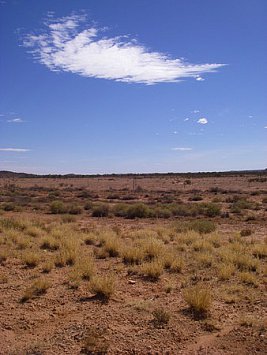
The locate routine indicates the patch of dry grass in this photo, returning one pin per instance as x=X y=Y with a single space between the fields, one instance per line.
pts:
x=102 y=286
x=199 y=299
x=152 y=270
x=225 y=271
x=31 y=258
x=38 y=288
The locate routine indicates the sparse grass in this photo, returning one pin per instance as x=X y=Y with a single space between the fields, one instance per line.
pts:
x=112 y=245
x=94 y=342
x=84 y=268
x=48 y=266
x=152 y=270
x=161 y=317
x=177 y=265
x=38 y=288
x=50 y=243
x=205 y=260
x=102 y=286
x=89 y=238
x=245 y=262
x=225 y=271
x=68 y=252
x=218 y=265
x=133 y=255
x=260 y=251
x=248 y=279
x=31 y=259
x=153 y=248
x=199 y=299
x=3 y=256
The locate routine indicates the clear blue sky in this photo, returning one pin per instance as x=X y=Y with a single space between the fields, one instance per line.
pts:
x=116 y=86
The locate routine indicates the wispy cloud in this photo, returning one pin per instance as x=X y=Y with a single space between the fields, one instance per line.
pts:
x=199 y=78
x=67 y=44
x=195 y=111
x=15 y=120
x=17 y=150
x=182 y=149
x=202 y=120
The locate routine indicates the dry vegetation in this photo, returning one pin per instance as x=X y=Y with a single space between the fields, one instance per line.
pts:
x=118 y=271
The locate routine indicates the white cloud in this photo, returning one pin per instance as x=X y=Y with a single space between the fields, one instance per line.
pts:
x=199 y=78
x=202 y=120
x=18 y=150
x=181 y=149
x=66 y=46
x=186 y=119
x=175 y=132
x=15 y=120
x=195 y=111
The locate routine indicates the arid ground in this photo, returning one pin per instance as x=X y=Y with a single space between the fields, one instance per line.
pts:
x=164 y=264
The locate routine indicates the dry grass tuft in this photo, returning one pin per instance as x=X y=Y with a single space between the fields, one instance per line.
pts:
x=94 y=342
x=248 y=279
x=103 y=287
x=161 y=317
x=225 y=271
x=133 y=255
x=199 y=299
x=152 y=270
x=38 y=288
x=31 y=259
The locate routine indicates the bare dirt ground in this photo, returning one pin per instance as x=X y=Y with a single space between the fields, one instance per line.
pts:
x=146 y=311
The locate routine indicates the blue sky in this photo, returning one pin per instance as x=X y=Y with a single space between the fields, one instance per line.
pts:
x=117 y=86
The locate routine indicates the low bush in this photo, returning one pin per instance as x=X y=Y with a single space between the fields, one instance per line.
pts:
x=100 y=210
x=58 y=207
x=137 y=210
x=202 y=226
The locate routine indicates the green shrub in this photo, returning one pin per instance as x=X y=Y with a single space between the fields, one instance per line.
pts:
x=73 y=209
x=137 y=210
x=100 y=210
x=212 y=210
x=58 y=207
x=202 y=226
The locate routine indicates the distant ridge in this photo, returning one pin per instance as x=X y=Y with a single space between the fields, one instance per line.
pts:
x=4 y=174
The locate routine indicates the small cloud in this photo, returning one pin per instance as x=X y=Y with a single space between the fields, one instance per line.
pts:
x=195 y=111
x=15 y=120
x=202 y=120
x=17 y=150
x=181 y=149
x=250 y=116
x=186 y=119
x=199 y=78
x=175 y=132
